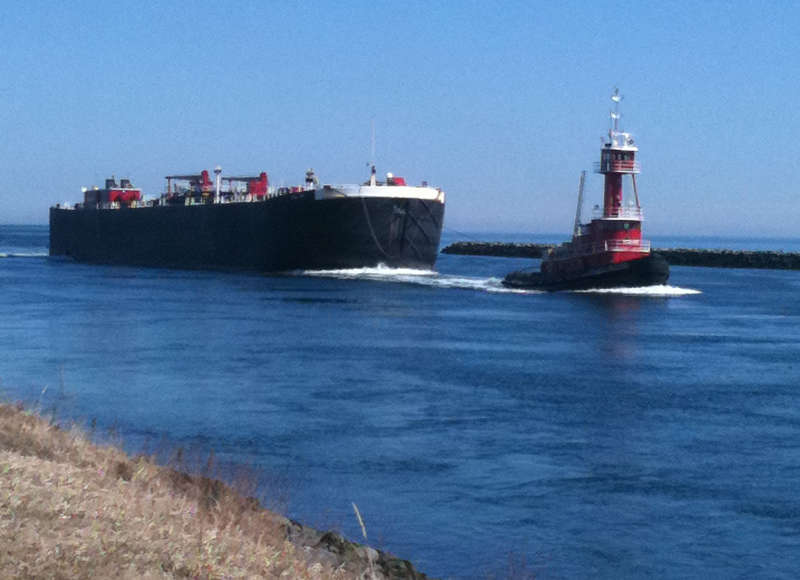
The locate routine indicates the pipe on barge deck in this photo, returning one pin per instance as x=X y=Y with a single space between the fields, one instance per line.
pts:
x=768 y=259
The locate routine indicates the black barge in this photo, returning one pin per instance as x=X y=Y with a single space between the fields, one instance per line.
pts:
x=240 y=223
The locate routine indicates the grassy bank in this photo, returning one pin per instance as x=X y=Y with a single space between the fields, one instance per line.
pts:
x=71 y=508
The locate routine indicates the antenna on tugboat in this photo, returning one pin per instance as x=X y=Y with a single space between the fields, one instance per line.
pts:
x=616 y=97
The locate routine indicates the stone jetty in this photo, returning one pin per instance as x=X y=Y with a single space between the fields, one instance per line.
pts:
x=500 y=249
x=775 y=260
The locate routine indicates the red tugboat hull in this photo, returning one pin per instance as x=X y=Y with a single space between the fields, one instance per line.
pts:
x=648 y=271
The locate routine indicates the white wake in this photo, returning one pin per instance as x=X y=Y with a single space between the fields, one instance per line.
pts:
x=434 y=279
x=24 y=254
x=379 y=271
x=660 y=290
x=412 y=276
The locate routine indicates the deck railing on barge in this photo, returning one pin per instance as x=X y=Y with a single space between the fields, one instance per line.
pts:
x=163 y=201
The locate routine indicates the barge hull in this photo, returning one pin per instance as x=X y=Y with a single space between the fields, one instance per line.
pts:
x=296 y=232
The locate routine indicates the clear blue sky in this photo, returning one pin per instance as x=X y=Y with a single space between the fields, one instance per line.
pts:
x=501 y=104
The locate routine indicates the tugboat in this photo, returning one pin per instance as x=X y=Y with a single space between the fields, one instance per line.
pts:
x=609 y=251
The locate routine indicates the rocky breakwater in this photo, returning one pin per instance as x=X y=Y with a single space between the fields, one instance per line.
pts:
x=775 y=260
x=500 y=249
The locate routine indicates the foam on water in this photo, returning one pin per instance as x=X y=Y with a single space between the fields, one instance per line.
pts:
x=431 y=278
x=659 y=290
x=23 y=254
x=380 y=271
x=412 y=276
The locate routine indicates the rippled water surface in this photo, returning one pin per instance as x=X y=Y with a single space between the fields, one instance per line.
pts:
x=653 y=433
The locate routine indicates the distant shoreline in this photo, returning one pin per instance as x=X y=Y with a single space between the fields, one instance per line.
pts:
x=759 y=259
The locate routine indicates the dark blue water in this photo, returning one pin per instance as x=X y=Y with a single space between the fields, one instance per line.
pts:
x=609 y=435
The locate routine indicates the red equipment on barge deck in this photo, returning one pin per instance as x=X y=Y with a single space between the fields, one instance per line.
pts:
x=609 y=251
x=123 y=193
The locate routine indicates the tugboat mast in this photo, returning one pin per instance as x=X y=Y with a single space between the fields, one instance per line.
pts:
x=576 y=229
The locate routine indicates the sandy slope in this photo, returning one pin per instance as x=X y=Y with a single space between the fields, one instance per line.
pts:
x=73 y=509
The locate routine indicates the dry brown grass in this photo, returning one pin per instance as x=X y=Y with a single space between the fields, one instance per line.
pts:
x=70 y=508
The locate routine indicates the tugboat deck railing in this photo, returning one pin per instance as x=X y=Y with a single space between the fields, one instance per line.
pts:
x=628 y=213
x=572 y=250
x=617 y=166
x=627 y=246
